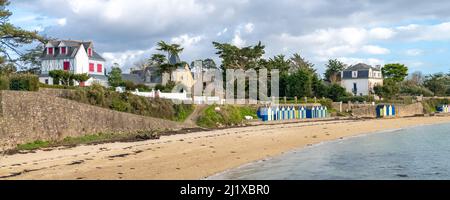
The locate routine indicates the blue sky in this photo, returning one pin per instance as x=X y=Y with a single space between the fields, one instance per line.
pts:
x=413 y=32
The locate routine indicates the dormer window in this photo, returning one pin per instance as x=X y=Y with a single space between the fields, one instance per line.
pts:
x=90 y=52
x=63 y=50
x=50 y=51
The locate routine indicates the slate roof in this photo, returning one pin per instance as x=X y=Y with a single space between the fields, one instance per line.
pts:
x=135 y=78
x=72 y=49
x=361 y=67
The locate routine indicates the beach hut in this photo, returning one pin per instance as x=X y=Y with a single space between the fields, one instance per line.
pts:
x=310 y=113
x=269 y=114
x=280 y=114
x=326 y=112
x=289 y=111
x=380 y=111
x=389 y=110
x=274 y=113
x=283 y=113
x=263 y=113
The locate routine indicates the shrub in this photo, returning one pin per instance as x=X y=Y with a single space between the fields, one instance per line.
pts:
x=97 y=95
x=24 y=82
x=4 y=83
x=355 y=99
x=228 y=116
x=327 y=103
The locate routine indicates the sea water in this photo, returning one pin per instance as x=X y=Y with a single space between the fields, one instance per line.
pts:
x=414 y=153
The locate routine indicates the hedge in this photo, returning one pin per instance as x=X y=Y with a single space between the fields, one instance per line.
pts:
x=24 y=82
x=4 y=83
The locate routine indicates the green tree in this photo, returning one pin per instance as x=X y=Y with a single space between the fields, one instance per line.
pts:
x=437 y=83
x=12 y=38
x=333 y=70
x=318 y=87
x=56 y=76
x=170 y=65
x=244 y=58
x=299 y=84
x=389 y=89
x=81 y=78
x=298 y=62
x=335 y=92
x=397 y=72
x=115 y=77
x=158 y=59
x=279 y=62
x=170 y=49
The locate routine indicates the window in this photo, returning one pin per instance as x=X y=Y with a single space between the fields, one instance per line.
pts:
x=99 y=68
x=91 y=67
x=66 y=66
x=354 y=74
x=50 y=51
x=63 y=50
x=46 y=81
x=89 y=52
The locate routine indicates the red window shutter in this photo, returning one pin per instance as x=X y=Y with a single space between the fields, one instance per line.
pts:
x=66 y=66
x=91 y=67
x=63 y=50
x=99 y=68
x=90 y=52
x=50 y=51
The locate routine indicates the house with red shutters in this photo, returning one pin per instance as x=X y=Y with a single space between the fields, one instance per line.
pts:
x=77 y=57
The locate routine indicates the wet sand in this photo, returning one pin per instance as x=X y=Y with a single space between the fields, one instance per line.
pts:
x=190 y=156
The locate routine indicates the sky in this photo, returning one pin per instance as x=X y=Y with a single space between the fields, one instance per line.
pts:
x=413 y=32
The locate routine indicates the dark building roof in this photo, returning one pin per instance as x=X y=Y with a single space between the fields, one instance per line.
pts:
x=135 y=78
x=149 y=75
x=72 y=49
x=361 y=67
x=99 y=77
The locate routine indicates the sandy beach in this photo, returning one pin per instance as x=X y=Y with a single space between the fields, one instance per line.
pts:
x=190 y=156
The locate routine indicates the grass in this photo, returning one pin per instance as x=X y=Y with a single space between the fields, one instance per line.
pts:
x=430 y=105
x=88 y=139
x=227 y=116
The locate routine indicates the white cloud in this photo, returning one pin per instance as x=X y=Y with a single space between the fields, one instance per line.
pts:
x=414 y=32
x=372 y=49
x=126 y=58
x=382 y=33
x=186 y=41
x=414 y=52
x=249 y=28
x=225 y=30
x=62 y=21
x=238 y=41
x=369 y=61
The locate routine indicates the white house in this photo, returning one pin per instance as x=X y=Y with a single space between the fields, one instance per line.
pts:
x=360 y=79
x=77 y=57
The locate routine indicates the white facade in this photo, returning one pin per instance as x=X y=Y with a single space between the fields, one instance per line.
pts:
x=364 y=86
x=72 y=56
x=361 y=79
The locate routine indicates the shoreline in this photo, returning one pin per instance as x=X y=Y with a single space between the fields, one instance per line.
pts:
x=219 y=175
x=198 y=155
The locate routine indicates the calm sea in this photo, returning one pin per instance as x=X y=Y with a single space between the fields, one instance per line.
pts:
x=414 y=153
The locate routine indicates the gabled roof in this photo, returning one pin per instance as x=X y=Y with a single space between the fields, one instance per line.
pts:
x=72 y=48
x=361 y=67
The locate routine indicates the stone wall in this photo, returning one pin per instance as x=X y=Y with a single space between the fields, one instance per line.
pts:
x=30 y=116
x=401 y=110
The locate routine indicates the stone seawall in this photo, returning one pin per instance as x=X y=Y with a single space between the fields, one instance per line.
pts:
x=30 y=116
x=401 y=110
